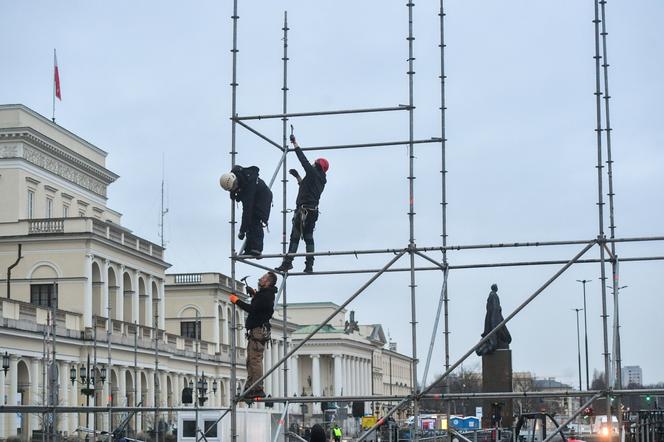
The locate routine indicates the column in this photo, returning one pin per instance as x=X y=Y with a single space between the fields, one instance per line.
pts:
x=337 y=375
x=367 y=385
x=163 y=385
x=228 y=391
x=12 y=422
x=35 y=394
x=275 y=373
x=104 y=290
x=315 y=380
x=344 y=378
x=121 y=399
x=87 y=292
x=268 y=365
x=119 y=297
x=356 y=376
x=138 y=398
x=135 y=298
x=162 y=305
x=63 y=419
x=215 y=327
x=3 y=416
x=294 y=387
x=149 y=397
x=224 y=325
x=149 y=320
x=280 y=372
x=105 y=394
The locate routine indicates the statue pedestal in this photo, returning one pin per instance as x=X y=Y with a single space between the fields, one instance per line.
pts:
x=497 y=377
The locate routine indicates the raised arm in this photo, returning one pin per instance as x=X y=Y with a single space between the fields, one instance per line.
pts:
x=306 y=165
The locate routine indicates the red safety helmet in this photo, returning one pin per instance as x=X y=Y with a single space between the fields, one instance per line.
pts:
x=323 y=164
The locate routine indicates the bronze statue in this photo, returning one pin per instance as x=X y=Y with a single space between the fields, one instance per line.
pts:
x=494 y=316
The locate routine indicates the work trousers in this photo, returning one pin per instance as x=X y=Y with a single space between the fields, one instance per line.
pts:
x=254 y=237
x=257 y=338
x=304 y=223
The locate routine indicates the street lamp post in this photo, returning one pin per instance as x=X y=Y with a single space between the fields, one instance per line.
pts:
x=86 y=380
x=585 y=328
x=578 y=348
x=616 y=368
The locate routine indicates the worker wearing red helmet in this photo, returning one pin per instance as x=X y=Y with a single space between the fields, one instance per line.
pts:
x=306 y=211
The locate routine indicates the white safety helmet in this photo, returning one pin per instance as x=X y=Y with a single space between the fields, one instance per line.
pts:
x=227 y=181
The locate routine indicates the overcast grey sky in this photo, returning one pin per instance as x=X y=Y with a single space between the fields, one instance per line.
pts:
x=146 y=79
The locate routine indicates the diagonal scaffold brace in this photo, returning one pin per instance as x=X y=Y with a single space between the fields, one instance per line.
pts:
x=482 y=341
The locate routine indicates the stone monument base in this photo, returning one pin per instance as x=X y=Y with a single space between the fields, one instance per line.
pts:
x=497 y=377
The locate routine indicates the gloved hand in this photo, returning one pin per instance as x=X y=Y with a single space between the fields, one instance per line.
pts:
x=233 y=298
x=292 y=139
x=251 y=291
x=240 y=236
x=294 y=172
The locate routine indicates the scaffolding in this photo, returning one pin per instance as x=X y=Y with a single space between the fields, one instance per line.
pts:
x=606 y=246
x=607 y=255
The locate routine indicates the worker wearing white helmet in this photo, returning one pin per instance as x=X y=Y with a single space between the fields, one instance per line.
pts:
x=246 y=187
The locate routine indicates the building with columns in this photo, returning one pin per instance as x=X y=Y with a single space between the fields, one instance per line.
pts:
x=345 y=361
x=73 y=269
x=69 y=258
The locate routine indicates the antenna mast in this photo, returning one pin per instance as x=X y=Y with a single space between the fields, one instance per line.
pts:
x=163 y=210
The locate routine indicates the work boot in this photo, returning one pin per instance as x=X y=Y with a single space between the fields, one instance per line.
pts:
x=285 y=266
x=309 y=266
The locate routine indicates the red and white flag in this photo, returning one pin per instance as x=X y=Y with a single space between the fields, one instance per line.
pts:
x=56 y=76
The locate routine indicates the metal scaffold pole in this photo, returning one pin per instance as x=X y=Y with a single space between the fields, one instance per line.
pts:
x=284 y=180
x=411 y=208
x=443 y=204
x=600 y=207
x=233 y=349
x=615 y=269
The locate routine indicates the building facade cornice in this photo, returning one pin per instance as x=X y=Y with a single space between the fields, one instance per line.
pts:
x=31 y=146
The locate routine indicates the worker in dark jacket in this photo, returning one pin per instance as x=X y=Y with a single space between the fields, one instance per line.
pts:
x=306 y=210
x=246 y=187
x=257 y=325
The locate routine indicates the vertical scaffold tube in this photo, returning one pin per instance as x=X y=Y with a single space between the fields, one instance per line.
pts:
x=411 y=211
x=611 y=194
x=615 y=272
x=443 y=172
x=234 y=84
x=284 y=194
x=601 y=238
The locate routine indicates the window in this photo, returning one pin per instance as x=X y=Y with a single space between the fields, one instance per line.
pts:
x=43 y=295
x=65 y=211
x=188 y=329
x=210 y=428
x=49 y=208
x=31 y=203
x=188 y=428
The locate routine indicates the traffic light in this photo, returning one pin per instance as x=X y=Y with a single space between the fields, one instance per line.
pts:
x=648 y=398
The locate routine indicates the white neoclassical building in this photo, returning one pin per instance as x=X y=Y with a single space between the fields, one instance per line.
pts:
x=67 y=251
x=64 y=254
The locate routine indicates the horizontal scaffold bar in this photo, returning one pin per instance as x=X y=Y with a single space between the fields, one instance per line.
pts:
x=377 y=144
x=341 y=399
x=457 y=396
x=394 y=250
x=320 y=113
x=92 y=409
x=467 y=266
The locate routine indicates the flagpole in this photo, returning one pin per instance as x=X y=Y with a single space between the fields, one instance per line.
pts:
x=54 y=65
